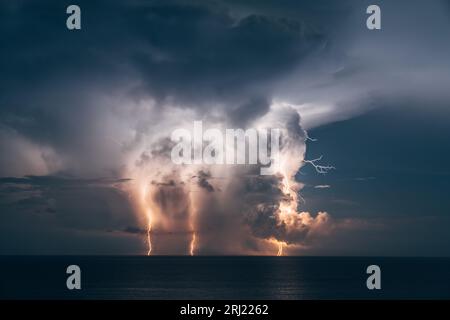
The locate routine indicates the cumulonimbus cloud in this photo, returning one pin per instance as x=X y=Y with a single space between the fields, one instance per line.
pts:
x=103 y=102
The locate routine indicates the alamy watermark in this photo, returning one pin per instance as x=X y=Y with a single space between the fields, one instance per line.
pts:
x=230 y=146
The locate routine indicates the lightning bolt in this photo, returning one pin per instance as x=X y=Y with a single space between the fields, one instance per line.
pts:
x=193 y=210
x=280 y=249
x=319 y=168
x=149 y=237
x=288 y=214
x=146 y=208
x=149 y=232
x=193 y=242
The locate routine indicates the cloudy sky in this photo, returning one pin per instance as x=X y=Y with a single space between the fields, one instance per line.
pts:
x=86 y=118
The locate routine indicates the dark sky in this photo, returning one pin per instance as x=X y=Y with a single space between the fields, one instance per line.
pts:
x=77 y=106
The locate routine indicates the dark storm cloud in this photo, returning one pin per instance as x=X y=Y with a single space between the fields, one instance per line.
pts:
x=197 y=44
x=195 y=54
x=249 y=110
x=58 y=181
x=192 y=52
x=170 y=183
x=55 y=194
x=198 y=55
x=263 y=185
x=134 y=230
x=202 y=181
x=65 y=96
x=48 y=214
x=262 y=196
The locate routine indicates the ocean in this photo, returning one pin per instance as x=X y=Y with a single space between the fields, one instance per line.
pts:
x=223 y=277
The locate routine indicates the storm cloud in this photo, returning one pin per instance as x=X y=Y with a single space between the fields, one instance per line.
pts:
x=86 y=116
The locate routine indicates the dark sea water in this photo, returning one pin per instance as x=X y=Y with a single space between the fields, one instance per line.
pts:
x=140 y=277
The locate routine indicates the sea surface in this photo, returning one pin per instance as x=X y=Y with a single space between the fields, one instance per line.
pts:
x=225 y=277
